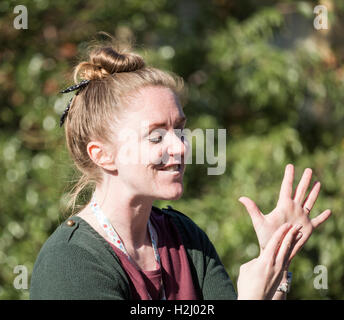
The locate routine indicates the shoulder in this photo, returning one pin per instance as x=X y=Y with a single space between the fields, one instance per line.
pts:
x=75 y=234
x=193 y=236
x=208 y=271
x=73 y=260
x=176 y=215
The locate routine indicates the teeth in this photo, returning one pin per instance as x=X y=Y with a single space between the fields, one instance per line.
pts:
x=172 y=168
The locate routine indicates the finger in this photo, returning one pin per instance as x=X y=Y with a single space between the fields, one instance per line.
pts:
x=253 y=210
x=322 y=217
x=287 y=182
x=302 y=187
x=298 y=246
x=312 y=197
x=316 y=222
x=274 y=243
x=287 y=245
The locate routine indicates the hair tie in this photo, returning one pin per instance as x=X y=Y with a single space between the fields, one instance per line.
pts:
x=78 y=87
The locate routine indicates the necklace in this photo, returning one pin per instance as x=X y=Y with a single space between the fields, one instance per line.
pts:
x=116 y=241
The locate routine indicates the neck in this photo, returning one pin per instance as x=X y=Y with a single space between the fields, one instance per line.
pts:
x=128 y=215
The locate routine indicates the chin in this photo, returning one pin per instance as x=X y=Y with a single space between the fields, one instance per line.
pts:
x=173 y=195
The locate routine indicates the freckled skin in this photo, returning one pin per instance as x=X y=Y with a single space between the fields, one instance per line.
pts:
x=153 y=105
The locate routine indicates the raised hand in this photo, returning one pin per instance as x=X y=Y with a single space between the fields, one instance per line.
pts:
x=259 y=278
x=293 y=209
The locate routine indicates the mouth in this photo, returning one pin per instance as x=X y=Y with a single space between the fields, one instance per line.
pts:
x=172 y=169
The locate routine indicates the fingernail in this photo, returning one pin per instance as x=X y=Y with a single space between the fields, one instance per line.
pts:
x=299 y=235
x=298 y=227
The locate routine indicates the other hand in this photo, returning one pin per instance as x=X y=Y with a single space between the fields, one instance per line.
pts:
x=290 y=209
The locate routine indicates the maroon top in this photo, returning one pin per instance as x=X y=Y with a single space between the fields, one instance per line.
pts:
x=176 y=275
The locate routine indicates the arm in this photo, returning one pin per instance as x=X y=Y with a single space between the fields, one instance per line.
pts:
x=216 y=283
x=210 y=277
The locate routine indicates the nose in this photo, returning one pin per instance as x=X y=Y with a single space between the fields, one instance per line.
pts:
x=177 y=145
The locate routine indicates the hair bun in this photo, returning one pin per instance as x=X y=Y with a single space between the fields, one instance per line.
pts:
x=106 y=61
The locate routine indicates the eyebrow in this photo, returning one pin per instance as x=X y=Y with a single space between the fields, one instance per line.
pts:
x=180 y=120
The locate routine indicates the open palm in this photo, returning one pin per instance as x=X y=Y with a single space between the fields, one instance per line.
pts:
x=291 y=209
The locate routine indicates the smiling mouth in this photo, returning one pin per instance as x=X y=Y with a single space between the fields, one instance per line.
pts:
x=176 y=168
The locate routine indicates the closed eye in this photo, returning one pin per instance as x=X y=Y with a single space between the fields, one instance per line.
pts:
x=156 y=139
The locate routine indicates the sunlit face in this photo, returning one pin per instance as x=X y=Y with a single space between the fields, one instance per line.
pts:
x=149 y=147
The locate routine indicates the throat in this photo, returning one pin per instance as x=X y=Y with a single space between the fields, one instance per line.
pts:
x=143 y=258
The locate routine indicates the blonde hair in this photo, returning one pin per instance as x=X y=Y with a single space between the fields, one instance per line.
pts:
x=116 y=72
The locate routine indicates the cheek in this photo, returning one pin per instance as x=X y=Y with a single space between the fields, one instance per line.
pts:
x=186 y=147
x=152 y=155
x=127 y=154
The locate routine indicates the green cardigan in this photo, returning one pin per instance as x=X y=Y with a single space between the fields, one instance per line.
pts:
x=77 y=263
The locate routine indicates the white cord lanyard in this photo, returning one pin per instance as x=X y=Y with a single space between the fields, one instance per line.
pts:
x=115 y=239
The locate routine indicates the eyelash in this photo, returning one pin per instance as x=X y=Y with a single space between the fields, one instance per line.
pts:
x=154 y=140
x=157 y=140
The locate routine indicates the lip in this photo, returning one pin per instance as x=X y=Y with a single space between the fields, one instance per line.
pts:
x=173 y=173
x=170 y=165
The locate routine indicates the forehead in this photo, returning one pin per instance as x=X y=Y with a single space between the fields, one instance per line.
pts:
x=155 y=104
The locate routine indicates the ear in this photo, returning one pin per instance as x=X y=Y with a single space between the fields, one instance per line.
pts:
x=100 y=155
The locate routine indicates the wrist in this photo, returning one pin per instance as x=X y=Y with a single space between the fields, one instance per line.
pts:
x=285 y=283
x=284 y=276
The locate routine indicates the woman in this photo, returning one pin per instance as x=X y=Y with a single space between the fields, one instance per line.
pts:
x=122 y=130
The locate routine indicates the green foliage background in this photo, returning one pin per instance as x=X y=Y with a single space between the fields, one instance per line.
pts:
x=259 y=69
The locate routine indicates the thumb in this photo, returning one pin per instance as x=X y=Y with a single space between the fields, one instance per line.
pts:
x=254 y=212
